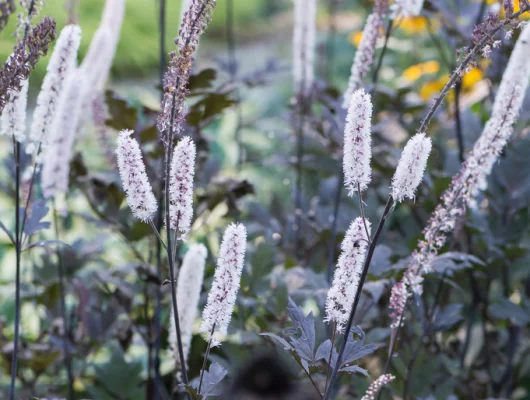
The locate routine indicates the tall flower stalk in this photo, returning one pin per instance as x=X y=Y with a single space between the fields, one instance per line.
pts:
x=304 y=37
x=473 y=173
x=169 y=123
x=14 y=72
x=413 y=161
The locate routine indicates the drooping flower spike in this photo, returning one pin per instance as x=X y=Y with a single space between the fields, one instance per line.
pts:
x=358 y=143
x=226 y=281
x=140 y=197
x=473 y=174
x=347 y=275
x=188 y=295
x=411 y=167
x=181 y=185
x=304 y=45
x=61 y=65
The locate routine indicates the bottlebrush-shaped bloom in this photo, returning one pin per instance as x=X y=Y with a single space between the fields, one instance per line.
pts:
x=13 y=120
x=140 y=197
x=188 y=295
x=98 y=61
x=411 y=167
x=407 y=8
x=347 y=275
x=181 y=185
x=398 y=301
x=56 y=159
x=62 y=63
x=24 y=58
x=474 y=171
x=304 y=45
x=364 y=57
x=176 y=79
x=376 y=386
x=184 y=7
x=226 y=281
x=358 y=142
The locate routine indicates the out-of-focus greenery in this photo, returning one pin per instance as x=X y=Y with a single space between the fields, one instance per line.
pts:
x=138 y=49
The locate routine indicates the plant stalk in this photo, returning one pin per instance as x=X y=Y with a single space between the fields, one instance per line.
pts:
x=368 y=260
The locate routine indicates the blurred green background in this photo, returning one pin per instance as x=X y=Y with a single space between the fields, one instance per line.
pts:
x=138 y=49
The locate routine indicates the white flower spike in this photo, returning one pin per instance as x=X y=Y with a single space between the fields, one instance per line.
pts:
x=140 y=197
x=358 y=143
x=347 y=275
x=411 y=167
x=226 y=281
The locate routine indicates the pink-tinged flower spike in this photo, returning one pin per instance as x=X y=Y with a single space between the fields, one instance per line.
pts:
x=304 y=45
x=226 y=281
x=62 y=63
x=188 y=294
x=397 y=303
x=474 y=171
x=376 y=386
x=347 y=274
x=140 y=197
x=176 y=79
x=181 y=185
x=364 y=57
x=358 y=143
x=407 y=8
x=184 y=7
x=411 y=167
x=13 y=118
x=56 y=158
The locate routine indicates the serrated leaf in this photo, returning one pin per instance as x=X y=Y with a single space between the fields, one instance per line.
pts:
x=323 y=351
x=210 y=380
x=34 y=222
x=451 y=262
x=305 y=327
x=354 y=369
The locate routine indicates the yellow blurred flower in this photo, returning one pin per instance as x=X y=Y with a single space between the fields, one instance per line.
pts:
x=471 y=78
x=432 y=88
x=356 y=38
x=416 y=71
x=516 y=8
x=429 y=89
x=414 y=25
